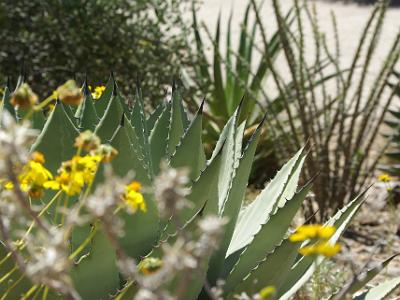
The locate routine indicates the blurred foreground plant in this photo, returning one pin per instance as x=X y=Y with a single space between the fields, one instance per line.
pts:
x=182 y=233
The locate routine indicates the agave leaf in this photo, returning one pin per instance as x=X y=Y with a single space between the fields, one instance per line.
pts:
x=58 y=127
x=219 y=107
x=38 y=120
x=282 y=187
x=305 y=266
x=138 y=243
x=394 y=155
x=5 y=103
x=241 y=68
x=85 y=114
x=151 y=120
x=230 y=76
x=105 y=98
x=69 y=112
x=177 y=124
x=190 y=152
x=203 y=68
x=159 y=138
x=362 y=279
x=96 y=276
x=202 y=193
x=127 y=158
x=270 y=234
x=234 y=197
x=111 y=118
x=230 y=143
x=138 y=121
x=381 y=291
x=395 y=113
x=281 y=258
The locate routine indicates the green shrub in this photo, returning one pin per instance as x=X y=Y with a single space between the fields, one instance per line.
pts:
x=53 y=40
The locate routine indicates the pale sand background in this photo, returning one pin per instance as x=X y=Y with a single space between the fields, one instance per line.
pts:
x=351 y=19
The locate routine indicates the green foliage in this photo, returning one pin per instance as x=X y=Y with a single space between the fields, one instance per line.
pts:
x=53 y=40
x=254 y=251
x=394 y=137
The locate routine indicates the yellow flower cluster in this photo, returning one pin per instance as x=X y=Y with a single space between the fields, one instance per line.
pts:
x=74 y=174
x=98 y=91
x=385 y=177
x=133 y=198
x=33 y=176
x=321 y=235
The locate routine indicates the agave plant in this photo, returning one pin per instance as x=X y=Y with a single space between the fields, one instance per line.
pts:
x=394 y=124
x=242 y=72
x=254 y=250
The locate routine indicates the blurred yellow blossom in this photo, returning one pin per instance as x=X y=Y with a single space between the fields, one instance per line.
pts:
x=74 y=174
x=267 y=292
x=98 y=91
x=306 y=232
x=384 y=177
x=133 y=198
x=33 y=176
x=321 y=248
x=318 y=234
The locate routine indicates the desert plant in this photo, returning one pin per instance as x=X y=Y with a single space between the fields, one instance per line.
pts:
x=241 y=73
x=393 y=153
x=342 y=121
x=189 y=227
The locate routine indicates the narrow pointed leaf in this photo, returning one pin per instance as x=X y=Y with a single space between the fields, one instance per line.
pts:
x=282 y=187
x=270 y=234
x=190 y=152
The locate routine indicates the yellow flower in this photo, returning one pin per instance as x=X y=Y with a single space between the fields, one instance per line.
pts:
x=321 y=248
x=320 y=234
x=266 y=292
x=33 y=176
x=306 y=232
x=385 y=177
x=149 y=265
x=74 y=174
x=98 y=91
x=133 y=198
x=24 y=97
x=135 y=186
